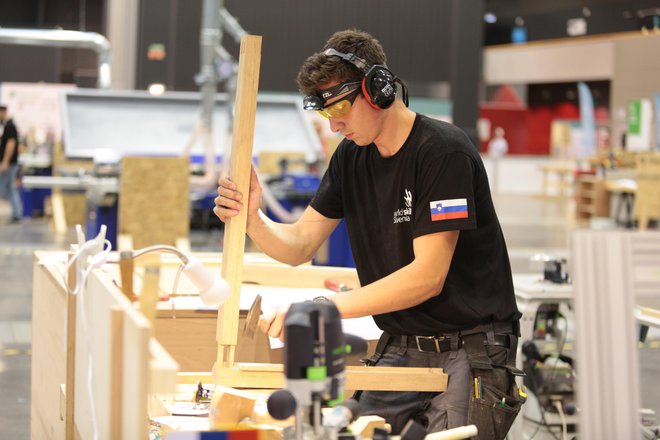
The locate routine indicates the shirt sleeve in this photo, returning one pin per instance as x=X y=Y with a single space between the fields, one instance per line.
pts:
x=11 y=132
x=446 y=194
x=328 y=198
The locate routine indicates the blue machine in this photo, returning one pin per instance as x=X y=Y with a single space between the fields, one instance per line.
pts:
x=102 y=214
x=33 y=198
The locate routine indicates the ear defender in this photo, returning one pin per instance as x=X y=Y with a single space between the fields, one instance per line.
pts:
x=379 y=86
x=378 y=83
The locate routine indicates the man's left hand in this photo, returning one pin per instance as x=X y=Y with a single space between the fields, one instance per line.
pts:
x=4 y=167
x=272 y=322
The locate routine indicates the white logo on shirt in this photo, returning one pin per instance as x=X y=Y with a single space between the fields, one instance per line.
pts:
x=403 y=214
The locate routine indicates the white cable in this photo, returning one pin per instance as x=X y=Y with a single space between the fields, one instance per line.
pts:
x=88 y=343
x=562 y=417
x=89 y=256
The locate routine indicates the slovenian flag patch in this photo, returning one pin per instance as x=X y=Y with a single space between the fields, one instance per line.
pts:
x=449 y=209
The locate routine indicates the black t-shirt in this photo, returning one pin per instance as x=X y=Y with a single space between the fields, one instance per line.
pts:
x=435 y=182
x=9 y=132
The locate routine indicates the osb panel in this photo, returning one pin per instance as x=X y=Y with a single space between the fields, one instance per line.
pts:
x=74 y=208
x=154 y=200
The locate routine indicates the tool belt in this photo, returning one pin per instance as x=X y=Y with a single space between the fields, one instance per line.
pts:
x=495 y=399
x=442 y=344
x=474 y=340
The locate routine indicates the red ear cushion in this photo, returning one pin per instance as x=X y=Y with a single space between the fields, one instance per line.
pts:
x=365 y=92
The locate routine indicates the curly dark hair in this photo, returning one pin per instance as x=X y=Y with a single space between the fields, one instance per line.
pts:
x=320 y=69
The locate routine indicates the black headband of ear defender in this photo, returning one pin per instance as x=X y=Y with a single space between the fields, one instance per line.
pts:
x=378 y=83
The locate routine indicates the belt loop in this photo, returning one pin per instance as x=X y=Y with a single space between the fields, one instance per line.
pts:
x=404 y=345
x=513 y=347
x=490 y=334
x=383 y=341
x=454 y=339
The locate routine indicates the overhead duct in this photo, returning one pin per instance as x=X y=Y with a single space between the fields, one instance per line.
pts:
x=61 y=38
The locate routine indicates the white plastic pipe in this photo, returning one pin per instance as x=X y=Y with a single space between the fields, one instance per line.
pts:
x=454 y=434
x=64 y=38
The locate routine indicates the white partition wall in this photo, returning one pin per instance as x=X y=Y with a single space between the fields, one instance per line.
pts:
x=612 y=270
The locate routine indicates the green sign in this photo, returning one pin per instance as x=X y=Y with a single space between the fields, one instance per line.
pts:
x=635 y=117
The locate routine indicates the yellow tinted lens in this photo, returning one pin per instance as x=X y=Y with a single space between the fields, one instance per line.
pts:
x=339 y=109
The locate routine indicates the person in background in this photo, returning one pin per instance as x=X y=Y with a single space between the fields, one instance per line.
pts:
x=497 y=148
x=9 y=165
x=428 y=247
x=498 y=145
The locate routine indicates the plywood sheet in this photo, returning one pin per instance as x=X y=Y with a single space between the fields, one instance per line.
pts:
x=154 y=201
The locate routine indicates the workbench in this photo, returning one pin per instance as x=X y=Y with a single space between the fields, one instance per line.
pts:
x=185 y=334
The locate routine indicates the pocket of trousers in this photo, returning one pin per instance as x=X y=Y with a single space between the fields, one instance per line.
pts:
x=492 y=410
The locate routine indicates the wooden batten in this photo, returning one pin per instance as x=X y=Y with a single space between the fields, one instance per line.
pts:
x=301 y=276
x=271 y=376
x=245 y=110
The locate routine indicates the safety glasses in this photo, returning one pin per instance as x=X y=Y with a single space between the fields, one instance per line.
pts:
x=338 y=108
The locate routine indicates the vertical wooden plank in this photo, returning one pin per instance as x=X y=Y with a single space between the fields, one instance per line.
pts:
x=135 y=377
x=126 y=267
x=116 y=382
x=239 y=171
x=69 y=421
x=149 y=293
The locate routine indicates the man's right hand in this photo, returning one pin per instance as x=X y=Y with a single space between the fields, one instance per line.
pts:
x=230 y=201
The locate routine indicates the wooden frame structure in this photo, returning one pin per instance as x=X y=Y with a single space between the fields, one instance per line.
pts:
x=108 y=344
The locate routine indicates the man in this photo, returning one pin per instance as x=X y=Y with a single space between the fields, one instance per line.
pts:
x=9 y=165
x=427 y=244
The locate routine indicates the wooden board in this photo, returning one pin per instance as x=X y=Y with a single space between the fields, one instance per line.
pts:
x=48 y=355
x=154 y=200
x=245 y=109
x=189 y=339
x=271 y=376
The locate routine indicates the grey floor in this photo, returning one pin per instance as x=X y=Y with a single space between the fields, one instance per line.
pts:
x=532 y=227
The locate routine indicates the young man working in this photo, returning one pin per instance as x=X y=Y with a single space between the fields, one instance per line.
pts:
x=427 y=244
x=9 y=165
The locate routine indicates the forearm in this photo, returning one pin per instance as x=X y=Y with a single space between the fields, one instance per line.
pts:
x=405 y=288
x=281 y=241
